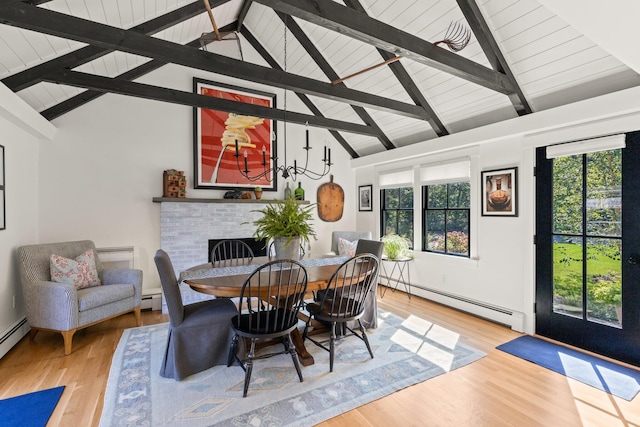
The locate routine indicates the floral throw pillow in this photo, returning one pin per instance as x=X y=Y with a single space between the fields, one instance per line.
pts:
x=346 y=247
x=81 y=272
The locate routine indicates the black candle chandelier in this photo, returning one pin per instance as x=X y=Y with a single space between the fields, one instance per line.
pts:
x=293 y=171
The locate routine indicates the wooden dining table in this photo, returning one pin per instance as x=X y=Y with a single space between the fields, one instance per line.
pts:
x=228 y=282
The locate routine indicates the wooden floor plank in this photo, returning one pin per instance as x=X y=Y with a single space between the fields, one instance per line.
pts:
x=498 y=390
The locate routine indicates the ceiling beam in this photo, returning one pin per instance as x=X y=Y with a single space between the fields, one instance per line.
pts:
x=406 y=81
x=89 y=95
x=244 y=9
x=304 y=98
x=156 y=93
x=61 y=25
x=33 y=75
x=328 y=70
x=347 y=21
x=491 y=49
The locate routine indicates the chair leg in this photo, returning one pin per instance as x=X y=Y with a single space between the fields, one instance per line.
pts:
x=249 y=367
x=332 y=345
x=364 y=338
x=136 y=312
x=291 y=349
x=67 y=336
x=232 y=350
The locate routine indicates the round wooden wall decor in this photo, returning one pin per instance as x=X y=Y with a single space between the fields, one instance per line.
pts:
x=330 y=201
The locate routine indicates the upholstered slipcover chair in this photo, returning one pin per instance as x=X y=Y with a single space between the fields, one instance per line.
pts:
x=61 y=307
x=347 y=235
x=200 y=334
x=370 y=317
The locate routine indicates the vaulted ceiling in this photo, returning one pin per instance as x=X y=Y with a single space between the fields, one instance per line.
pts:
x=58 y=55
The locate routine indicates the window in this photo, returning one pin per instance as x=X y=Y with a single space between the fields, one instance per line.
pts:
x=446 y=209
x=396 y=211
x=446 y=214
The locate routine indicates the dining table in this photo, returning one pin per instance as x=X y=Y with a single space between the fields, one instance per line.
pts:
x=228 y=281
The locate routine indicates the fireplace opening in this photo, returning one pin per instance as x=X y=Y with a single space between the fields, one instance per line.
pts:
x=257 y=246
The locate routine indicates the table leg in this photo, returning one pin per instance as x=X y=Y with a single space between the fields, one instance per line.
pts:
x=304 y=356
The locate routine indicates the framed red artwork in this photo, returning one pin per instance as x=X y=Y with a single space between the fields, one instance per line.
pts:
x=220 y=135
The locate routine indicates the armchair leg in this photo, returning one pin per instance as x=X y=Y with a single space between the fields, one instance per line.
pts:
x=136 y=312
x=68 y=337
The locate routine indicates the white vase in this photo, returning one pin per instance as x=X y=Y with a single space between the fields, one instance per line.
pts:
x=286 y=250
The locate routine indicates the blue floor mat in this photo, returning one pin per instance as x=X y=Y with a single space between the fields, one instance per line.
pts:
x=29 y=410
x=618 y=380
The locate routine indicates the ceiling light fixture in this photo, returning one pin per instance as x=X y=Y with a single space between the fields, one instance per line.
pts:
x=286 y=170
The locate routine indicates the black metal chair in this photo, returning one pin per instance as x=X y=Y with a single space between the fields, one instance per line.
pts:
x=199 y=333
x=270 y=301
x=343 y=301
x=227 y=253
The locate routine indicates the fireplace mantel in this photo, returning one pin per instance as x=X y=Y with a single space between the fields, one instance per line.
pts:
x=191 y=200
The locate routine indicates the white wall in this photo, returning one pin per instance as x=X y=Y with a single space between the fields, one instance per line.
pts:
x=501 y=270
x=22 y=205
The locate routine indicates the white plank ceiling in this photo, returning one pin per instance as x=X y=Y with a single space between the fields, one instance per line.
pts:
x=552 y=62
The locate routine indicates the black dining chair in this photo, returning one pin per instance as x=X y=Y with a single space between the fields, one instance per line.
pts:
x=199 y=333
x=270 y=301
x=343 y=301
x=231 y=252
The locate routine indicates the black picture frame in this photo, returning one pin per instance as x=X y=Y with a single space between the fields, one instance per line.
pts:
x=365 y=198
x=215 y=163
x=500 y=192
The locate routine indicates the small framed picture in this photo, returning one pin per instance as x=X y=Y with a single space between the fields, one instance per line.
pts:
x=364 y=198
x=500 y=192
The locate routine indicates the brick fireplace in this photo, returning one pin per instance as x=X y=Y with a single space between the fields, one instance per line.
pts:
x=186 y=227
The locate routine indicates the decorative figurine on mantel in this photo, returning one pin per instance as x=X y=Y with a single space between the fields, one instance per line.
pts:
x=174 y=184
x=258 y=192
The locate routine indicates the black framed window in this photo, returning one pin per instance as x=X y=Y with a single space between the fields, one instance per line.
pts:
x=396 y=211
x=446 y=218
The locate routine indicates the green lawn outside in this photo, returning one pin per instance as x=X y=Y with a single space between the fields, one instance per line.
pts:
x=604 y=278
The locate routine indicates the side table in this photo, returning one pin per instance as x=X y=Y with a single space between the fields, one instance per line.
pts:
x=401 y=266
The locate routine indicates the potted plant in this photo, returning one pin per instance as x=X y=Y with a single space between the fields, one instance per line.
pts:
x=288 y=223
x=258 y=192
x=395 y=246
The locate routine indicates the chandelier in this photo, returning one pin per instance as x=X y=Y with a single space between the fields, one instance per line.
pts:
x=286 y=170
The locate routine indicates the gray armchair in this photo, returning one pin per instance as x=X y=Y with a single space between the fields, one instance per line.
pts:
x=61 y=307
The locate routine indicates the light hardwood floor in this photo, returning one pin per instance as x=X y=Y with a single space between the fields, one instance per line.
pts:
x=497 y=390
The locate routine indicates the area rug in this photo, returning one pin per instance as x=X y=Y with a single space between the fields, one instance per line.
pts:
x=604 y=375
x=29 y=410
x=407 y=351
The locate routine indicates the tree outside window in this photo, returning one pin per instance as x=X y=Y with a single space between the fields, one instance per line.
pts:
x=396 y=212
x=446 y=215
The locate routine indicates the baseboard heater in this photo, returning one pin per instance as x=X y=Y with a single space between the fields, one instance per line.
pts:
x=116 y=257
x=504 y=316
x=12 y=335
